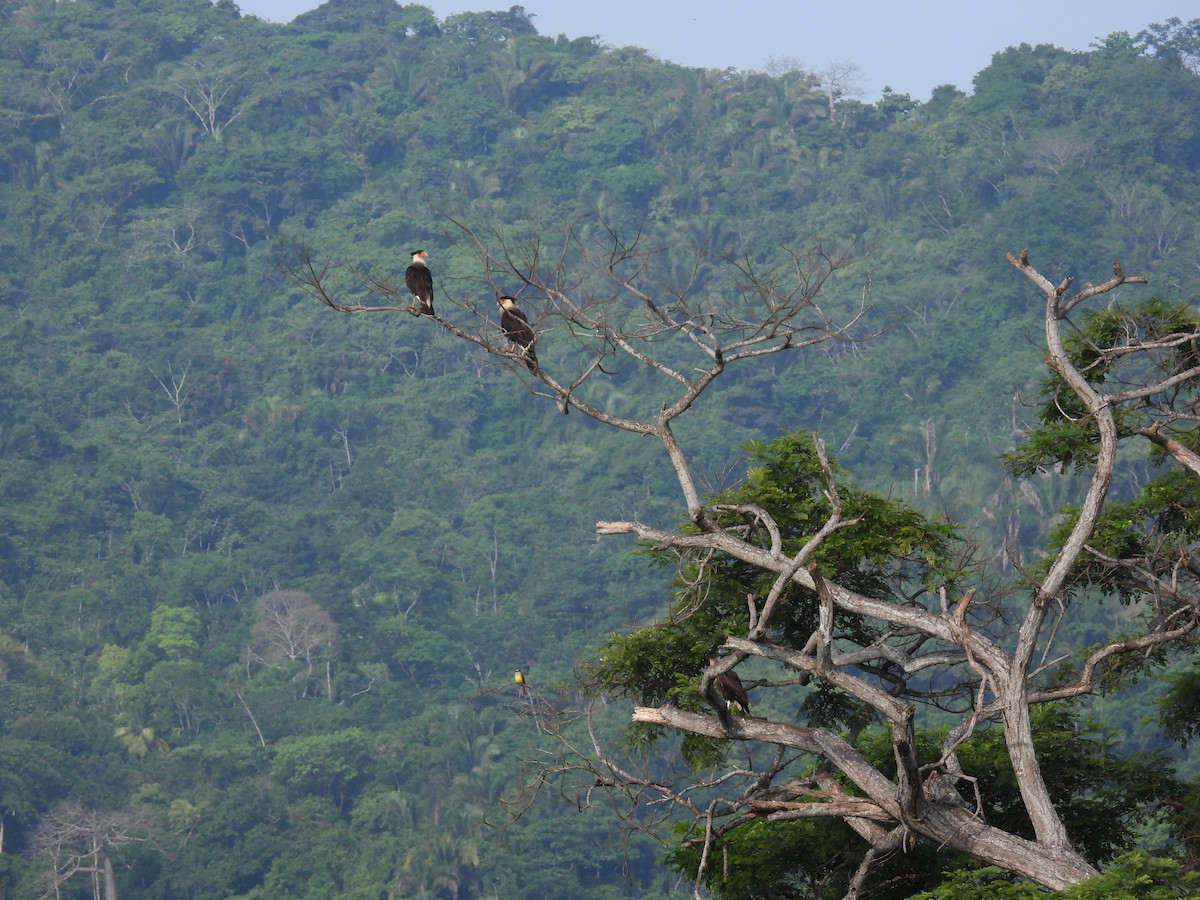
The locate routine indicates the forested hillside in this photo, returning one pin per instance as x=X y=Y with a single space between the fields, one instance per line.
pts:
x=266 y=570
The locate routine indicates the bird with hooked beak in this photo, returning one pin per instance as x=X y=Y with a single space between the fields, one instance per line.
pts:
x=419 y=281
x=517 y=330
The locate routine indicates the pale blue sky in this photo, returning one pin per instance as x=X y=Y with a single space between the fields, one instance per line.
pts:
x=910 y=47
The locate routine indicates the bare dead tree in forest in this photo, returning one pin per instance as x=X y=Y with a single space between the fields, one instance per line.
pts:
x=599 y=303
x=292 y=628
x=74 y=839
x=596 y=301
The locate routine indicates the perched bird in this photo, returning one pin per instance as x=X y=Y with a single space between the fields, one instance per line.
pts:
x=420 y=282
x=517 y=330
x=730 y=687
x=519 y=678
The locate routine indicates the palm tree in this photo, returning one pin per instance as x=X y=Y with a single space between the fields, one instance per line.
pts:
x=138 y=739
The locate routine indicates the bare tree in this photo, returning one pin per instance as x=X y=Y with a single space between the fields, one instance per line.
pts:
x=74 y=839
x=208 y=90
x=177 y=235
x=839 y=80
x=789 y=67
x=1057 y=150
x=599 y=306
x=293 y=628
x=67 y=67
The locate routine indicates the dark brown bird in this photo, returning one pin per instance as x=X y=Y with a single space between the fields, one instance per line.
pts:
x=517 y=330
x=420 y=282
x=730 y=687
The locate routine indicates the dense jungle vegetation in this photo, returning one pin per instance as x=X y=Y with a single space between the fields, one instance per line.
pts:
x=266 y=570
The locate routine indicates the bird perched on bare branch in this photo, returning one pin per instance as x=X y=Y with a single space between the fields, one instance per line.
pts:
x=516 y=328
x=730 y=687
x=419 y=281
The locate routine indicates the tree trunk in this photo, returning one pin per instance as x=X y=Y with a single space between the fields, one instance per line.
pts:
x=110 y=879
x=946 y=823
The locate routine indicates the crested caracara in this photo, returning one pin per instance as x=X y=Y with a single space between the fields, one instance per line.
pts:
x=517 y=330
x=420 y=283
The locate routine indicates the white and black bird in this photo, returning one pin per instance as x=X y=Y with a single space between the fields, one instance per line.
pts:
x=518 y=331
x=419 y=281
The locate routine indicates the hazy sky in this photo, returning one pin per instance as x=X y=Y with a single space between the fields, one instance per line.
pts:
x=911 y=47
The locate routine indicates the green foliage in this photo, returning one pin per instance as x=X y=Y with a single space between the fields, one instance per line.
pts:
x=1160 y=518
x=889 y=549
x=788 y=859
x=323 y=764
x=182 y=431
x=34 y=775
x=785 y=478
x=1102 y=795
x=174 y=631
x=1067 y=437
x=1133 y=876
x=1181 y=705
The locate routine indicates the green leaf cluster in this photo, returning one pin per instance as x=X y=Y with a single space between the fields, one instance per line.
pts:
x=1132 y=876
x=888 y=549
x=1158 y=518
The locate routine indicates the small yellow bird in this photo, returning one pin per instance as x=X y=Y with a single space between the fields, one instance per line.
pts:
x=519 y=678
